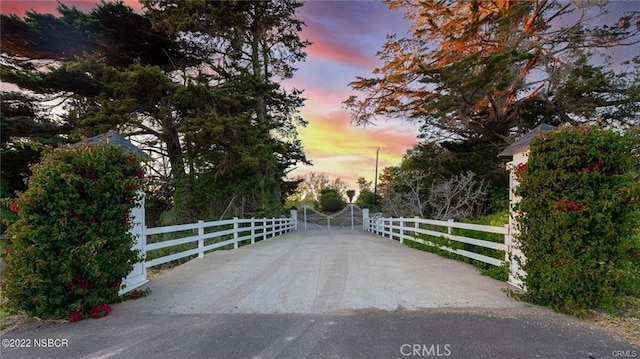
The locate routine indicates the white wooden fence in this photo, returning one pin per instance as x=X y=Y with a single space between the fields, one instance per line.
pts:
x=406 y=229
x=199 y=238
x=233 y=232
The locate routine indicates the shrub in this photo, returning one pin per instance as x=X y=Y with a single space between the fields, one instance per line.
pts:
x=579 y=192
x=70 y=247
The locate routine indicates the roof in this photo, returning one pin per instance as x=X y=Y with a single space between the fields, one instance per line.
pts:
x=522 y=144
x=115 y=139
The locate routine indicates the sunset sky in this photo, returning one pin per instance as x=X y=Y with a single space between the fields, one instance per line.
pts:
x=345 y=37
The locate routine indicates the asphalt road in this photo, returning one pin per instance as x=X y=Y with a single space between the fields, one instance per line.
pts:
x=318 y=295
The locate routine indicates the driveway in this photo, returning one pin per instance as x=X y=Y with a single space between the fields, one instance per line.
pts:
x=321 y=272
x=320 y=294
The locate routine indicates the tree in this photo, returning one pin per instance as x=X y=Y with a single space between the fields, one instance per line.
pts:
x=350 y=194
x=102 y=70
x=407 y=194
x=366 y=197
x=310 y=187
x=203 y=100
x=436 y=181
x=496 y=69
x=459 y=197
x=331 y=200
x=20 y=119
x=247 y=47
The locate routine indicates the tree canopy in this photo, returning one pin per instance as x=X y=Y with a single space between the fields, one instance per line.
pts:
x=499 y=68
x=194 y=84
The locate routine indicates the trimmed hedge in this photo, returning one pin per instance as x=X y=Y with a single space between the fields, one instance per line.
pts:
x=580 y=194
x=70 y=247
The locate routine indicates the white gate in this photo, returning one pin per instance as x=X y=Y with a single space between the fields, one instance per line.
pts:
x=349 y=217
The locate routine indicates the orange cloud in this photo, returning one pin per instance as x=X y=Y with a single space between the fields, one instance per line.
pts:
x=343 y=150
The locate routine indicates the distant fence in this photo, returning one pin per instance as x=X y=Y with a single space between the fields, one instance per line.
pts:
x=407 y=229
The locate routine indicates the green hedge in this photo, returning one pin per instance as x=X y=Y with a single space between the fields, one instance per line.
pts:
x=579 y=196
x=70 y=247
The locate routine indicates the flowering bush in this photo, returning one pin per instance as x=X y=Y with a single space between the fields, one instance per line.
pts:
x=579 y=199
x=70 y=246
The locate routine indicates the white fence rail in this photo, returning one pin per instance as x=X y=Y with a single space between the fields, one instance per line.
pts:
x=219 y=233
x=407 y=228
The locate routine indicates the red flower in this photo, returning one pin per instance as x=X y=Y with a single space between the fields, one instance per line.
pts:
x=139 y=173
x=14 y=207
x=126 y=221
x=570 y=205
x=75 y=316
x=520 y=169
x=117 y=283
x=82 y=283
x=100 y=310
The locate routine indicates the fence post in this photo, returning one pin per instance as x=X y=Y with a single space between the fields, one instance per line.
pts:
x=200 y=239
x=253 y=230
x=449 y=228
x=264 y=230
x=328 y=223
x=401 y=230
x=416 y=225
x=294 y=218
x=351 y=205
x=365 y=219
x=235 y=232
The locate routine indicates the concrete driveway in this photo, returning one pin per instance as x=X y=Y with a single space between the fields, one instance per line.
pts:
x=316 y=272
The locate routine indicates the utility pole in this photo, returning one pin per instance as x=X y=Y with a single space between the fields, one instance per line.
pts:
x=375 y=182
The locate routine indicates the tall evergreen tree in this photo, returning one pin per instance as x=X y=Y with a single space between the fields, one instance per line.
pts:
x=202 y=99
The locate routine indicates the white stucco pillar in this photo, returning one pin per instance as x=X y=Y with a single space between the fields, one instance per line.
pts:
x=138 y=275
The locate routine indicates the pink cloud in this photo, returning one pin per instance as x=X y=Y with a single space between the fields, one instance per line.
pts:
x=51 y=6
x=348 y=31
x=340 y=53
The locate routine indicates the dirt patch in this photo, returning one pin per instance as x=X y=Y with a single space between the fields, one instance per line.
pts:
x=626 y=322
